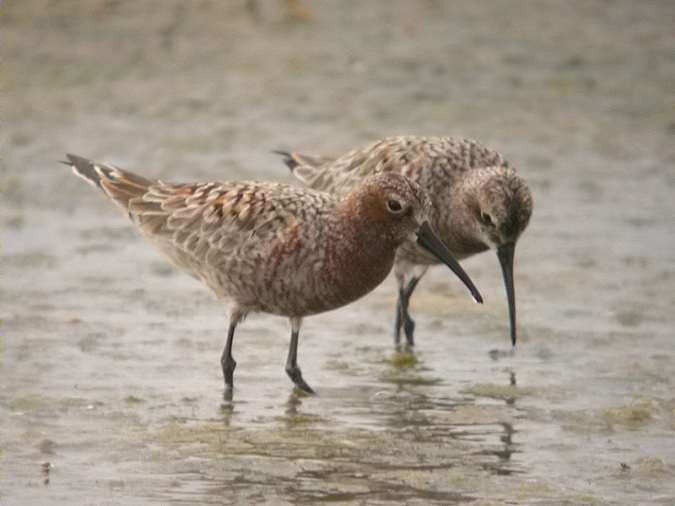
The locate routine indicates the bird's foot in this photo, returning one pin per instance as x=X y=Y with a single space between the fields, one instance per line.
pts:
x=296 y=377
x=409 y=328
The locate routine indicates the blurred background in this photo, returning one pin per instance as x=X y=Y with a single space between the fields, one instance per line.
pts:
x=111 y=385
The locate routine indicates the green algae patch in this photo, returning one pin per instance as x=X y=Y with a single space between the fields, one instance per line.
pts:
x=300 y=419
x=653 y=467
x=401 y=378
x=632 y=415
x=182 y=435
x=534 y=489
x=132 y=399
x=500 y=392
x=406 y=369
x=29 y=403
x=402 y=359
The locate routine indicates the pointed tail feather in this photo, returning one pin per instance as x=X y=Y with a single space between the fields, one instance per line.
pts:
x=304 y=167
x=289 y=160
x=293 y=159
x=120 y=185
x=83 y=168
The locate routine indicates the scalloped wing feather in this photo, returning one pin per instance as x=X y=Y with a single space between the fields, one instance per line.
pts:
x=420 y=158
x=203 y=225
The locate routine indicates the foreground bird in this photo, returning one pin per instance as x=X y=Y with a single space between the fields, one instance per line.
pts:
x=478 y=202
x=275 y=248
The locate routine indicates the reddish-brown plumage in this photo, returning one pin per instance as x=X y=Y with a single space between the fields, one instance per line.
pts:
x=270 y=247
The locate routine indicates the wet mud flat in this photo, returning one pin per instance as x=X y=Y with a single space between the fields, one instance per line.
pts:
x=111 y=391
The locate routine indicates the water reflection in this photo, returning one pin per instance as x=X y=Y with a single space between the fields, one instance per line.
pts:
x=45 y=467
x=316 y=453
x=496 y=354
x=227 y=408
x=503 y=452
x=228 y=395
x=292 y=404
x=511 y=400
x=507 y=439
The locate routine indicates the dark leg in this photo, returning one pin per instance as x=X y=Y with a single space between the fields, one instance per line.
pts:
x=403 y=315
x=397 y=323
x=226 y=359
x=408 y=322
x=292 y=368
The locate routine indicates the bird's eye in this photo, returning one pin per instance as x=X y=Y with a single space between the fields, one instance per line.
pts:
x=486 y=219
x=394 y=206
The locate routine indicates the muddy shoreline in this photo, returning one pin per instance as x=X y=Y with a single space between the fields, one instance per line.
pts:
x=110 y=389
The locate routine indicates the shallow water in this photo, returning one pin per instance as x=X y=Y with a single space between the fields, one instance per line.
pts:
x=111 y=391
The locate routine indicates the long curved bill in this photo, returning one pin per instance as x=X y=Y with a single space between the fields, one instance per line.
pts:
x=505 y=254
x=429 y=241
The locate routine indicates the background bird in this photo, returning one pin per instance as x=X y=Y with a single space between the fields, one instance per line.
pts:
x=276 y=248
x=479 y=202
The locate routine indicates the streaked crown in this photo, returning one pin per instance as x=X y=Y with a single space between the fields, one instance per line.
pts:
x=502 y=205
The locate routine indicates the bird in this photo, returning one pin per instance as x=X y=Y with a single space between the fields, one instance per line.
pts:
x=479 y=202
x=276 y=248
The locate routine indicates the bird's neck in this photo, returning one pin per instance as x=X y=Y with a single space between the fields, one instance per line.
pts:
x=365 y=253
